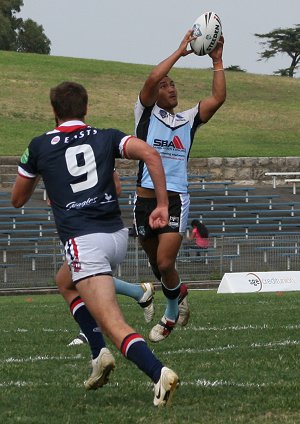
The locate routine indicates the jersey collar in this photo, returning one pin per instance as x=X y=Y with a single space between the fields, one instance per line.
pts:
x=70 y=126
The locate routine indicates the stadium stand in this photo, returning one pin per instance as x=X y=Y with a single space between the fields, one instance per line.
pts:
x=5 y=267
x=294 y=182
x=279 y=174
x=241 y=228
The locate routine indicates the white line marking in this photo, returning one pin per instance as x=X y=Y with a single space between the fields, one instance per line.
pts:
x=44 y=330
x=222 y=383
x=201 y=382
x=188 y=328
x=244 y=327
x=42 y=358
x=231 y=347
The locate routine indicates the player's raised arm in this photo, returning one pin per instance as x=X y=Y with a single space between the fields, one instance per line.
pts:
x=149 y=92
x=209 y=105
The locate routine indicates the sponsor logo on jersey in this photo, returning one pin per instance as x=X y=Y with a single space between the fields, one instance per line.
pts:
x=163 y=113
x=24 y=158
x=81 y=134
x=173 y=144
x=55 y=140
x=107 y=197
x=180 y=117
x=87 y=202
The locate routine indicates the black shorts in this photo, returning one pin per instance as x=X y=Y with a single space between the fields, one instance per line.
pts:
x=178 y=212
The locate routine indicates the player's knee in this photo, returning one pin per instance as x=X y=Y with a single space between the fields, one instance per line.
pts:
x=165 y=265
x=66 y=289
x=61 y=287
x=155 y=271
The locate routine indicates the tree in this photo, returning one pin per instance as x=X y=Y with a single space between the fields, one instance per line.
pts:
x=19 y=35
x=31 y=38
x=234 y=68
x=9 y=23
x=284 y=72
x=282 y=40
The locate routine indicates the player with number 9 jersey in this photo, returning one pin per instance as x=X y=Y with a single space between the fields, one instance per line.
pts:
x=77 y=163
x=82 y=159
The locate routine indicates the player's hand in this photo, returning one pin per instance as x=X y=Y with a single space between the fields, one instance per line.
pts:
x=184 y=43
x=217 y=52
x=159 y=217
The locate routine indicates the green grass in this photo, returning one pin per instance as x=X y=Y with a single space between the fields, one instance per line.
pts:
x=238 y=361
x=259 y=118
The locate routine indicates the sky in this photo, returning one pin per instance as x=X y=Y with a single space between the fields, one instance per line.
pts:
x=146 y=32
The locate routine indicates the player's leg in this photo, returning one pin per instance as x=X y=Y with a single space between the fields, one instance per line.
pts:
x=139 y=292
x=97 y=255
x=162 y=249
x=166 y=259
x=162 y=252
x=143 y=293
x=98 y=293
x=88 y=326
x=150 y=246
x=169 y=244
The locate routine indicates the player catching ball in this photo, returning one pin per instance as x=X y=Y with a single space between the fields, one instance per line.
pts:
x=171 y=134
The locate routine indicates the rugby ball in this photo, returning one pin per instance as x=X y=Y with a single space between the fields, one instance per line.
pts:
x=208 y=29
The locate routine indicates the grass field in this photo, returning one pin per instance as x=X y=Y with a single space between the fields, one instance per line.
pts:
x=260 y=116
x=238 y=361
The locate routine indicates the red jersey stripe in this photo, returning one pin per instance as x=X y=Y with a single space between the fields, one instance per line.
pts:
x=71 y=128
x=124 y=146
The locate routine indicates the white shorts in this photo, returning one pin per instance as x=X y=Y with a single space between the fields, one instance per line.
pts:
x=96 y=254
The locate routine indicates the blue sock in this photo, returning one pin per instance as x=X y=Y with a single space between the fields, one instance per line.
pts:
x=87 y=325
x=128 y=289
x=171 y=295
x=135 y=349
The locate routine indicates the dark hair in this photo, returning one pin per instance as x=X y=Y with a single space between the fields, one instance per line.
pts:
x=202 y=229
x=69 y=100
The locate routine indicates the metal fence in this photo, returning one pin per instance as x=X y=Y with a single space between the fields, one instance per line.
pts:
x=34 y=264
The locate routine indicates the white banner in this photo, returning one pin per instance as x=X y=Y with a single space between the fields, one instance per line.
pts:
x=252 y=282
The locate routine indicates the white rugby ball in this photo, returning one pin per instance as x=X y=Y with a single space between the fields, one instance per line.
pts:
x=208 y=30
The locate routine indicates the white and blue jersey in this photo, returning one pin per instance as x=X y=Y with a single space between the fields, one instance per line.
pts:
x=172 y=136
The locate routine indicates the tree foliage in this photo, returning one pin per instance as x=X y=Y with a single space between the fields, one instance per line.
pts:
x=19 y=35
x=9 y=23
x=282 y=40
x=31 y=38
x=234 y=68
